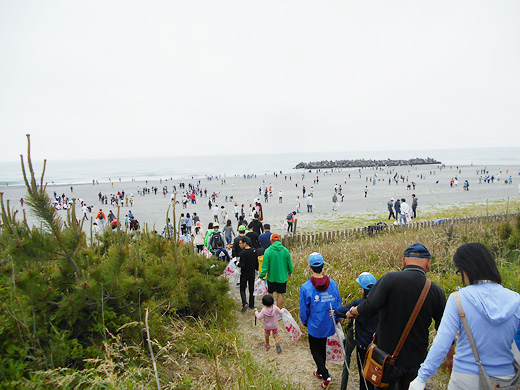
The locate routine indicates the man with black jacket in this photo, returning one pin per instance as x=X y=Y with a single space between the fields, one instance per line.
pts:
x=394 y=297
x=236 y=249
x=248 y=265
x=254 y=238
x=256 y=225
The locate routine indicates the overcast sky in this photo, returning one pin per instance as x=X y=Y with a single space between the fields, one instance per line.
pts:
x=98 y=79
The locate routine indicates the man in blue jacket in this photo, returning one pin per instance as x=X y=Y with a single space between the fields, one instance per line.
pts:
x=318 y=295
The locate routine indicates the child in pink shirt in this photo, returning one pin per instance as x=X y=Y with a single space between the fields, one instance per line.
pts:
x=270 y=314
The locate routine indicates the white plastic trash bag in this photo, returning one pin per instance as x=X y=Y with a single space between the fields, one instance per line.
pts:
x=230 y=269
x=290 y=325
x=285 y=225
x=335 y=353
x=235 y=279
x=260 y=288
x=206 y=252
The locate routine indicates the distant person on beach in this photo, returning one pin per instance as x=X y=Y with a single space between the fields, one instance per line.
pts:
x=297 y=204
x=270 y=314
x=84 y=210
x=223 y=215
x=216 y=239
x=229 y=233
x=405 y=213
x=96 y=229
x=397 y=207
x=414 y=206
x=260 y=211
x=390 y=205
x=198 y=237
x=309 y=203
x=317 y=296
x=189 y=223
x=280 y=195
x=215 y=211
x=167 y=229
x=101 y=218
x=290 y=221
x=277 y=266
x=134 y=224
x=335 y=204
x=182 y=223
x=208 y=233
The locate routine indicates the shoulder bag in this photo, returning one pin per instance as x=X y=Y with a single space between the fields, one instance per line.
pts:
x=378 y=364
x=486 y=382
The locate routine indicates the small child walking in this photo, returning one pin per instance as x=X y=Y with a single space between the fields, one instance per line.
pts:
x=270 y=314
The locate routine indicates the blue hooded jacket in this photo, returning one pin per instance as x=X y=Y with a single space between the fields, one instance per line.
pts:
x=316 y=297
x=493 y=314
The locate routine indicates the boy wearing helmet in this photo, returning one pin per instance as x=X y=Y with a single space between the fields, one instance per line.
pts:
x=364 y=331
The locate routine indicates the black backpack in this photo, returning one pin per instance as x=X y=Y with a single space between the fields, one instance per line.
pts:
x=216 y=240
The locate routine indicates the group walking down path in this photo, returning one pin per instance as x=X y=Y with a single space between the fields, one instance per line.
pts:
x=385 y=309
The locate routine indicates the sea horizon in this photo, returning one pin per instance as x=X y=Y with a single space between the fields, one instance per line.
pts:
x=83 y=171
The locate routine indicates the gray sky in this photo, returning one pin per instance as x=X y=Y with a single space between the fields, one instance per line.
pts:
x=151 y=78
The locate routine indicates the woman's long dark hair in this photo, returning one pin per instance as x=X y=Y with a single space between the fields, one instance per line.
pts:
x=478 y=263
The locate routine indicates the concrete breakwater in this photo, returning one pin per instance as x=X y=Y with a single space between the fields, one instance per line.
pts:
x=362 y=163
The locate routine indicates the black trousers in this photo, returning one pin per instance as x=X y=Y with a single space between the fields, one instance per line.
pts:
x=250 y=282
x=401 y=377
x=391 y=214
x=319 y=354
x=360 y=356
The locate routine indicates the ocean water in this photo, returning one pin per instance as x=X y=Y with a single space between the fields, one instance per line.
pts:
x=154 y=168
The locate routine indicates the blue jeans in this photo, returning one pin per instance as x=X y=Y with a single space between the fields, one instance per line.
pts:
x=309 y=208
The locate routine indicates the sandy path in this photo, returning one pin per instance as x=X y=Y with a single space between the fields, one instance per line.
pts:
x=294 y=363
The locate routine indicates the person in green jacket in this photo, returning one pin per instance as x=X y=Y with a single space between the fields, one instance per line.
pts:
x=278 y=266
x=210 y=230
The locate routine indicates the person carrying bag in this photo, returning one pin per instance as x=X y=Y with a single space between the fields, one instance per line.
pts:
x=378 y=364
x=483 y=355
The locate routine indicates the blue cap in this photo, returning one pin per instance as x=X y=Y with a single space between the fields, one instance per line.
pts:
x=315 y=259
x=366 y=280
x=417 y=250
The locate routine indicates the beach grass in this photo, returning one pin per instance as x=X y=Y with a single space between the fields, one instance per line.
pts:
x=333 y=221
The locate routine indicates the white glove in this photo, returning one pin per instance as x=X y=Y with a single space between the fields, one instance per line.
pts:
x=417 y=384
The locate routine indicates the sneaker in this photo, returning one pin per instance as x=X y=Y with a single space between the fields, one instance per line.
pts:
x=326 y=383
x=244 y=308
x=278 y=348
x=315 y=373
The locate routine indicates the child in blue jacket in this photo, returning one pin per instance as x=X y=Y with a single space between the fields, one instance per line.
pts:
x=317 y=296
